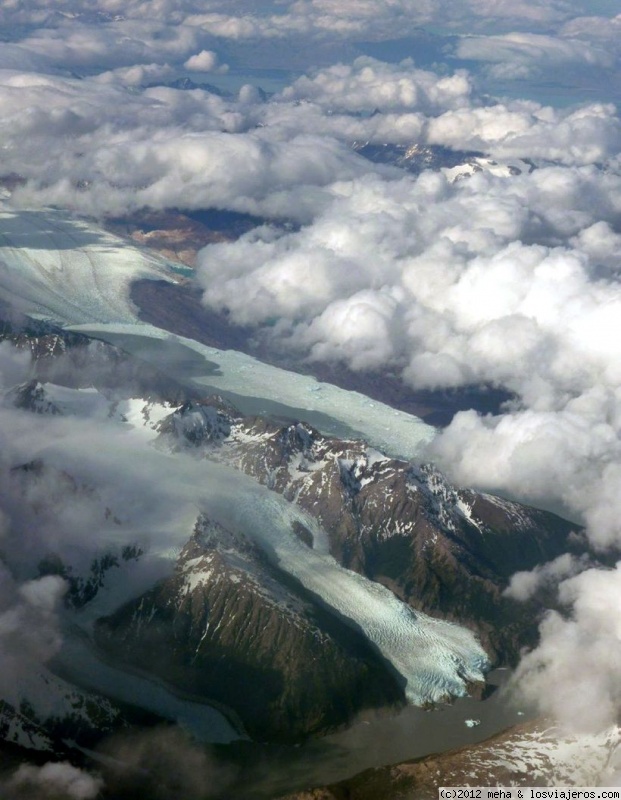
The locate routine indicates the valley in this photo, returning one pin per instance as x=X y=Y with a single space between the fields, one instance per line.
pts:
x=296 y=540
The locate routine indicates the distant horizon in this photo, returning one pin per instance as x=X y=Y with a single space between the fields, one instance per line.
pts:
x=418 y=201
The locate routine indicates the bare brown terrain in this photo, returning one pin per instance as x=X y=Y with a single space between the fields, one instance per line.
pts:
x=177 y=308
x=179 y=235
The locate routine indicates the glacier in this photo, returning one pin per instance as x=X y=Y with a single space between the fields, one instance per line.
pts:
x=79 y=276
x=157 y=496
x=69 y=270
x=252 y=386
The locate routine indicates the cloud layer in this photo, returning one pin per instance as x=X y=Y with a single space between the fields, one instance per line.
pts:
x=499 y=278
x=573 y=674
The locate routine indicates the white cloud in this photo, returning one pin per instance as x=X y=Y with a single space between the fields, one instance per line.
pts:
x=583 y=136
x=104 y=148
x=358 y=330
x=512 y=281
x=532 y=51
x=99 y=145
x=601 y=30
x=205 y=61
x=29 y=628
x=523 y=585
x=319 y=19
x=573 y=674
x=368 y=84
x=137 y=75
x=76 y=45
x=490 y=280
x=52 y=780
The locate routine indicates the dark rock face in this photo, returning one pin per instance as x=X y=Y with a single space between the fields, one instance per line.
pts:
x=198 y=424
x=445 y=551
x=81 y=589
x=179 y=234
x=228 y=628
x=31 y=397
x=414 y=158
x=20 y=730
x=83 y=717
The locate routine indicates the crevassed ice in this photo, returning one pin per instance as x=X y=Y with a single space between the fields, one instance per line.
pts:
x=434 y=658
x=77 y=274
x=68 y=270
x=255 y=388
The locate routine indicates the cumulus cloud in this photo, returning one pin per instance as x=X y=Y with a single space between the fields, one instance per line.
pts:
x=604 y=30
x=368 y=84
x=523 y=53
x=161 y=763
x=103 y=147
x=504 y=280
x=137 y=75
x=566 y=460
x=107 y=150
x=583 y=136
x=393 y=18
x=509 y=280
x=78 y=45
x=377 y=234
x=573 y=674
x=248 y=173
x=205 y=61
x=348 y=17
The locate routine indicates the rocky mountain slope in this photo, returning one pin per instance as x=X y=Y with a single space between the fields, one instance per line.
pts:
x=44 y=713
x=226 y=617
x=227 y=627
x=455 y=164
x=446 y=551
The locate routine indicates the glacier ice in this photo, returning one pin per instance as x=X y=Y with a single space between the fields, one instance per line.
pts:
x=252 y=386
x=435 y=658
x=158 y=495
x=78 y=275
x=69 y=271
